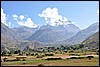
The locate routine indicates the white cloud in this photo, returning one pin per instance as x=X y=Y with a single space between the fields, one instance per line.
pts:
x=28 y=23
x=74 y=23
x=47 y=21
x=15 y=16
x=65 y=19
x=51 y=16
x=21 y=17
x=53 y=23
x=98 y=11
x=9 y=24
x=4 y=18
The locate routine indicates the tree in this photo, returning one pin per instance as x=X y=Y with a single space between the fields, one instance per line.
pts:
x=81 y=45
x=62 y=47
x=68 y=48
x=4 y=53
x=15 y=52
x=10 y=54
x=53 y=48
x=19 y=51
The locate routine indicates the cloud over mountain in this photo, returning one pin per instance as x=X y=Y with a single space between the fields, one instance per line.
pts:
x=98 y=11
x=4 y=18
x=51 y=15
x=21 y=21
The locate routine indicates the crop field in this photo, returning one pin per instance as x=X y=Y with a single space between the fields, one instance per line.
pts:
x=64 y=62
x=33 y=61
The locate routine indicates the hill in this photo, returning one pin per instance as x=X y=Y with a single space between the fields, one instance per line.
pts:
x=92 y=42
x=83 y=34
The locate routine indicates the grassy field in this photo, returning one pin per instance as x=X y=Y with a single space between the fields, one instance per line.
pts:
x=33 y=61
x=63 y=62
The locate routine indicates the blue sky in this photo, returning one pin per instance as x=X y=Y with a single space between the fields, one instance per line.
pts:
x=81 y=13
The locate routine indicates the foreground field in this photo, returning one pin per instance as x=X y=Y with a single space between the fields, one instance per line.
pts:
x=72 y=62
x=63 y=62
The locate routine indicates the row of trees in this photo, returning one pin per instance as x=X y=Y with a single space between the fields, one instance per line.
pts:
x=47 y=49
x=9 y=53
x=61 y=48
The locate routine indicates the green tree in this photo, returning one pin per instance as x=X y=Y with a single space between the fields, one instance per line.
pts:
x=4 y=53
x=19 y=51
x=81 y=45
x=68 y=48
x=62 y=47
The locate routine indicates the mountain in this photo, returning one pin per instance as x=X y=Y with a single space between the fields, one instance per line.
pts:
x=11 y=40
x=32 y=46
x=51 y=34
x=83 y=34
x=24 y=32
x=92 y=41
x=8 y=32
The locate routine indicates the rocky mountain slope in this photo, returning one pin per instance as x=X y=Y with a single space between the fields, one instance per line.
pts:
x=92 y=42
x=24 y=32
x=83 y=34
x=51 y=34
x=11 y=40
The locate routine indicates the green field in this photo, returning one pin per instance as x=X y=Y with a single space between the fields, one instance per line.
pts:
x=64 y=62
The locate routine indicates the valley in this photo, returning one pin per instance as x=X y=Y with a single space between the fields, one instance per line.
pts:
x=51 y=33
x=36 y=51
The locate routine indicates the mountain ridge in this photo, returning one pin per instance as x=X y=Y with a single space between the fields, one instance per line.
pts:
x=54 y=33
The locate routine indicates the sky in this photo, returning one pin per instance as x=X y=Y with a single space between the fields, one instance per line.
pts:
x=36 y=13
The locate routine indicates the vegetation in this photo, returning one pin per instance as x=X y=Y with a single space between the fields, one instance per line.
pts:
x=53 y=58
x=63 y=62
x=40 y=56
x=49 y=54
x=52 y=54
x=89 y=57
x=40 y=65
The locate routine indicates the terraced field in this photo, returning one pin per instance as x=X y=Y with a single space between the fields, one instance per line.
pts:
x=33 y=61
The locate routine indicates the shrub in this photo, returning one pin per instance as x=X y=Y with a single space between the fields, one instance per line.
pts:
x=4 y=59
x=32 y=54
x=17 y=59
x=36 y=54
x=97 y=53
x=71 y=51
x=9 y=54
x=27 y=54
x=65 y=51
x=40 y=65
x=23 y=59
x=53 y=58
x=77 y=57
x=73 y=57
x=49 y=54
x=39 y=56
x=68 y=58
x=80 y=57
x=89 y=57
x=20 y=54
